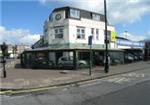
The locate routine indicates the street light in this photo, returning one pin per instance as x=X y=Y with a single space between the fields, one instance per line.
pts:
x=106 y=40
x=4 y=48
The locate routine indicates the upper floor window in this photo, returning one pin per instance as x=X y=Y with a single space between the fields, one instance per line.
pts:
x=80 y=33
x=92 y=32
x=74 y=13
x=96 y=17
x=108 y=34
x=97 y=34
x=59 y=31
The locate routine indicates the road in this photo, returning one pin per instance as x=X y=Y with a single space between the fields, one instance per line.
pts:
x=138 y=94
x=125 y=89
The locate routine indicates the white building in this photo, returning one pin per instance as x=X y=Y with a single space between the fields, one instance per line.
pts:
x=69 y=28
x=66 y=33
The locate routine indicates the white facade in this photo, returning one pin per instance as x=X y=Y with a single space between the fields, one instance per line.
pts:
x=69 y=26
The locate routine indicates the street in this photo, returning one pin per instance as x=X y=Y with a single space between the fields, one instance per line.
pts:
x=124 y=89
x=135 y=95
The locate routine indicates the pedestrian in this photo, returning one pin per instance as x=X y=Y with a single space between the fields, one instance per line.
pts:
x=109 y=60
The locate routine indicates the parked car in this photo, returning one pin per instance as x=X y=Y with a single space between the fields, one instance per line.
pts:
x=115 y=61
x=138 y=55
x=41 y=63
x=65 y=61
x=129 y=58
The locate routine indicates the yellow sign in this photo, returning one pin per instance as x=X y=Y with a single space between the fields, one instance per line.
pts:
x=113 y=36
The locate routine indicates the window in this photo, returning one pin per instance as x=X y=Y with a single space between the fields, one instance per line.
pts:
x=96 y=17
x=64 y=59
x=97 y=34
x=58 y=32
x=74 y=13
x=80 y=33
x=92 y=32
x=108 y=34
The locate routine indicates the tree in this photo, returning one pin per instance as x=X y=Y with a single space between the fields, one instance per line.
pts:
x=14 y=50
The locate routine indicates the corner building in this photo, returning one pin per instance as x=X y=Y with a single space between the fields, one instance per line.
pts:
x=66 y=33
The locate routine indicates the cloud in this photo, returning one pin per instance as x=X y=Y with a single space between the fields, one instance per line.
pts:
x=18 y=36
x=42 y=1
x=119 y=11
x=148 y=33
x=132 y=37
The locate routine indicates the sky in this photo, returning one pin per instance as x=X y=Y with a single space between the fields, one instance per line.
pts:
x=21 y=21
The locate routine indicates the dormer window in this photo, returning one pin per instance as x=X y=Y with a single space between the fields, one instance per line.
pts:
x=96 y=17
x=74 y=13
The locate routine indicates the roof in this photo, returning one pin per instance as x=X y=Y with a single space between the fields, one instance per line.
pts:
x=48 y=49
x=118 y=37
x=84 y=13
x=68 y=7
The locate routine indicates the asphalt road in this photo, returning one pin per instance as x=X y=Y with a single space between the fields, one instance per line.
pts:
x=135 y=95
x=125 y=89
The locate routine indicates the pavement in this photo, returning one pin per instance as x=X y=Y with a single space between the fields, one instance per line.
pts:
x=20 y=79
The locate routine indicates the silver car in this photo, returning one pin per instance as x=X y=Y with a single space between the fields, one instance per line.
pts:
x=65 y=61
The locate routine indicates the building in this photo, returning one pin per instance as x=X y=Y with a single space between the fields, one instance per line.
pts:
x=15 y=50
x=133 y=50
x=66 y=33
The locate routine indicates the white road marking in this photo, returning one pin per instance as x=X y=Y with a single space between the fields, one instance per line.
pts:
x=5 y=98
x=125 y=78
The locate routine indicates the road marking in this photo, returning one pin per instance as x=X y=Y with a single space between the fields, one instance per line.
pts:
x=125 y=78
x=5 y=98
x=137 y=75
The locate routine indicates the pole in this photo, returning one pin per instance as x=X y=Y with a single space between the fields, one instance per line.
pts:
x=106 y=40
x=4 y=70
x=90 y=60
x=4 y=49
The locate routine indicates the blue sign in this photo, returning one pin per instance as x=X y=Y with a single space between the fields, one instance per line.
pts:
x=132 y=44
x=90 y=40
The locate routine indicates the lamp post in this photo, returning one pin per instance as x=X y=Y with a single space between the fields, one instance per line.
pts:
x=106 y=40
x=4 y=48
x=90 y=43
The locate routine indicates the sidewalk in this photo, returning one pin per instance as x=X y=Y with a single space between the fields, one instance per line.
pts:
x=18 y=78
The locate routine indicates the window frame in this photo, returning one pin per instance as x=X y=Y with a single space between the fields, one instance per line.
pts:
x=97 y=34
x=81 y=33
x=59 y=34
x=76 y=12
x=92 y=32
x=96 y=17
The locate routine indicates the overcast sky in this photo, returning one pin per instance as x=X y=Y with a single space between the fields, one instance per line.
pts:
x=22 y=20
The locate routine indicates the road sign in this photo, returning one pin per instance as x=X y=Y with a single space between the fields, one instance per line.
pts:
x=90 y=40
